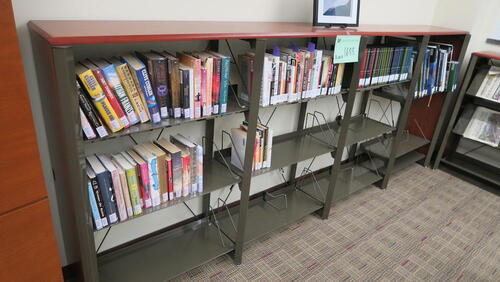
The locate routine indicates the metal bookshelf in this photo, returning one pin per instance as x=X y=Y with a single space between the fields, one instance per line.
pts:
x=462 y=112
x=225 y=230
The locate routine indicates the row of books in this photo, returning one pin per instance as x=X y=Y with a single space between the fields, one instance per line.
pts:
x=262 y=149
x=439 y=72
x=490 y=85
x=291 y=74
x=381 y=65
x=124 y=184
x=119 y=92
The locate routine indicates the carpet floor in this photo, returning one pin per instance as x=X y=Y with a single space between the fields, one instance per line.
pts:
x=427 y=226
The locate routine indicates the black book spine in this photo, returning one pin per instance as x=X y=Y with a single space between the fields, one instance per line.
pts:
x=184 y=77
x=106 y=188
x=87 y=108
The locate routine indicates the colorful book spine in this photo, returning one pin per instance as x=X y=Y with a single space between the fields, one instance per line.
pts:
x=93 y=206
x=114 y=83
x=102 y=104
x=141 y=78
x=170 y=179
x=125 y=191
x=132 y=92
x=186 y=174
x=145 y=185
x=203 y=85
x=155 y=182
x=199 y=168
x=159 y=77
x=87 y=129
x=99 y=201
x=224 y=83
x=115 y=104
x=89 y=112
x=133 y=188
x=120 y=198
x=216 y=78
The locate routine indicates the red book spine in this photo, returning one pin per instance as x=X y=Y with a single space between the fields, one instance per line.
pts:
x=362 y=72
x=371 y=65
x=216 y=85
x=115 y=104
x=144 y=186
x=170 y=180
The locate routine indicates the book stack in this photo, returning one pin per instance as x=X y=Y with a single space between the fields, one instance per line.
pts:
x=439 y=72
x=291 y=74
x=490 y=86
x=262 y=148
x=120 y=92
x=382 y=65
x=126 y=184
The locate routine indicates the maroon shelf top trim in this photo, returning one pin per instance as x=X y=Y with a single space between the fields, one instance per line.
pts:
x=95 y=32
x=488 y=54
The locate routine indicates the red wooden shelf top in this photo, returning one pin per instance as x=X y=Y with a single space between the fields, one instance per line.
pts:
x=94 y=32
x=488 y=54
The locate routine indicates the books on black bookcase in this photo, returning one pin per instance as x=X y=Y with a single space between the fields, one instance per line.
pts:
x=120 y=92
x=291 y=74
x=439 y=72
x=124 y=184
x=382 y=65
x=262 y=148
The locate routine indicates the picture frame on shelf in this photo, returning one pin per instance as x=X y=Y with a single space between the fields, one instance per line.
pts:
x=341 y=13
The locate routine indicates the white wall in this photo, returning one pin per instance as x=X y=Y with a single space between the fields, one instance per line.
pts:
x=372 y=12
x=478 y=17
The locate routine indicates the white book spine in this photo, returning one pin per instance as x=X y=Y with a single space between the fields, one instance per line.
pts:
x=86 y=127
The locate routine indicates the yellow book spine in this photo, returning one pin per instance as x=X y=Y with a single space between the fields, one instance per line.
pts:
x=133 y=188
x=340 y=75
x=132 y=92
x=100 y=101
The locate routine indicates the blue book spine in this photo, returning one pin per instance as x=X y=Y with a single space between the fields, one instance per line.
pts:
x=155 y=182
x=93 y=206
x=224 y=83
x=145 y=85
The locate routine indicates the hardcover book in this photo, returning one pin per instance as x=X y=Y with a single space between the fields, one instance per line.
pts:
x=90 y=113
x=97 y=196
x=141 y=78
x=113 y=81
x=132 y=181
x=143 y=180
x=175 y=155
x=88 y=82
x=117 y=188
x=131 y=89
x=113 y=101
x=105 y=185
x=153 y=171
x=157 y=70
x=162 y=168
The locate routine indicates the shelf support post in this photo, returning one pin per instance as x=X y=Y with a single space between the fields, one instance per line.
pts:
x=300 y=128
x=456 y=109
x=245 y=184
x=403 y=115
x=344 y=127
x=445 y=110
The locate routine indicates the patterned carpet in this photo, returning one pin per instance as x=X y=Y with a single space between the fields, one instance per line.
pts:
x=428 y=226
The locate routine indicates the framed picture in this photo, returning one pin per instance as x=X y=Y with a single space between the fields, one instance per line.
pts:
x=336 y=13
